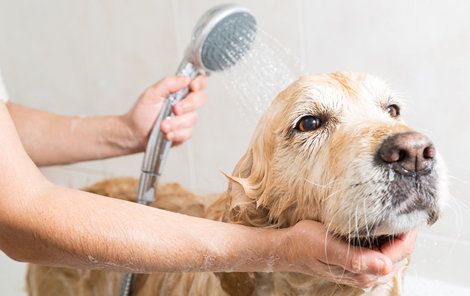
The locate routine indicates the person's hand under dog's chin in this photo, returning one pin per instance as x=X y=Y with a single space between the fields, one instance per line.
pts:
x=307 y=248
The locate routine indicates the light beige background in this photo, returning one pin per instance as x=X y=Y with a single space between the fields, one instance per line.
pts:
x=95 y=57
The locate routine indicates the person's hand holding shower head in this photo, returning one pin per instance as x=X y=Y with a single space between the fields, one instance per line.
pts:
x=141 y=118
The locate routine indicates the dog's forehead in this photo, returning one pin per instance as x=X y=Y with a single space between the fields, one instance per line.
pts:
x=344 y=88
x=339 y=93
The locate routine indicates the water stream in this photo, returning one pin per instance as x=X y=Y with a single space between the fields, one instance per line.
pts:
x=255 y=80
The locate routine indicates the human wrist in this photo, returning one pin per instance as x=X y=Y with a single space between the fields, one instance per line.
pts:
x=112 y=135
x=245 y=249
x=284 y=250
x=127 y=137
x=268 y=251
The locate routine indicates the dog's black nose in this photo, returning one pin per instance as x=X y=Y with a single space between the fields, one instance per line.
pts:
x=409 y=152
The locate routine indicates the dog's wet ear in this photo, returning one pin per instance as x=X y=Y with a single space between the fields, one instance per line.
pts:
x=238 y=189
x=250 y=184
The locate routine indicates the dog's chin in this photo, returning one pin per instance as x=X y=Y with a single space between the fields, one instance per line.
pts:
x=396 y=224
x=375 y=242
x=395 y=227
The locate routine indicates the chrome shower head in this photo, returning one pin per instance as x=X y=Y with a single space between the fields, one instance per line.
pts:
x=221 y=37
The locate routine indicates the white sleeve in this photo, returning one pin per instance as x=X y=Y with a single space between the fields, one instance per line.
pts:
x=3 y=91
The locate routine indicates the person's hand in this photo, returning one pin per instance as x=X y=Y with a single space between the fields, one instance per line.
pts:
x=141 y=118
x=309 y=250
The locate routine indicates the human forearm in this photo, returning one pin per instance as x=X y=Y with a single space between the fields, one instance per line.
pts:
x=64 y=227
x=53 y=139
x=83 y=230
x=44 y=223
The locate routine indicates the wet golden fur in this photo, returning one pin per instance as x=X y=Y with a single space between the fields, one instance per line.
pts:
x=284 y=177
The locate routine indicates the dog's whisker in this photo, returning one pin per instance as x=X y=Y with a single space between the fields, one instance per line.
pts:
x=333 y=194
x=357 y=225
x=459 y=222
x=349 y=244
x=320 y=185
x=459 y=179
x=326 y=247
x=457 y=207
x=365 y=222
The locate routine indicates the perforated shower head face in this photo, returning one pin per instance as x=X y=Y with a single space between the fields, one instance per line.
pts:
x=222 y=37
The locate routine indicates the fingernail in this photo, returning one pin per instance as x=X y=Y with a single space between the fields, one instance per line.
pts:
x=179 y=109
x=165 y=126
x=170 y=136
x=382 y=266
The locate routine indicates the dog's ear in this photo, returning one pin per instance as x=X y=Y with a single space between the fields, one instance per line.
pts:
x=249 y=184
x=237 y=190
x=252 y=171
x=239 y=183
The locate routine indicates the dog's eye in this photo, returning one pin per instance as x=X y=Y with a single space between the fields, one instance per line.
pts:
x=393 y=110
x=308 y=123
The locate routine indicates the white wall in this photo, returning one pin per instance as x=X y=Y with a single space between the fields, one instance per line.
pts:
x=95 y=57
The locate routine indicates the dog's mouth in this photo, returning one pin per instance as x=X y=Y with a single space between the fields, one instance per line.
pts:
x=376 y=242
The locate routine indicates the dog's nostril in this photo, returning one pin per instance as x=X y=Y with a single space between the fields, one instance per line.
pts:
x=402 y=155
x=429 y=152
x=408 y=152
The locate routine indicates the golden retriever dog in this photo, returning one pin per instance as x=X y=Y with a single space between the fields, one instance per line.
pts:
x=331 y=148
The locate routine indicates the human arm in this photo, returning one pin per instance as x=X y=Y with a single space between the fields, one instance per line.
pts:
x=52 y=139
x=47 y=224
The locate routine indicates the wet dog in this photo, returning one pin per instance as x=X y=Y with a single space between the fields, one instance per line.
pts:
x=331 y=148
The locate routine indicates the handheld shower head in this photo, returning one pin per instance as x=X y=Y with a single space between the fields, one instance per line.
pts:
x=220 y=39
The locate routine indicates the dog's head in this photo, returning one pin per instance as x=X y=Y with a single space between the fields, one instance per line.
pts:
x=334 y=148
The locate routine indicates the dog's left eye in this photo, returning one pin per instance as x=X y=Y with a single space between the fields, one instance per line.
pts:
x=308 y=123
x=393 y=110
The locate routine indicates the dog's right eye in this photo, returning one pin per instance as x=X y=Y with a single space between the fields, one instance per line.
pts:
x=393 y=110
x=308 y=123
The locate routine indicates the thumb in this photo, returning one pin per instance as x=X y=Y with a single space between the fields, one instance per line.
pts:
x=168 y=85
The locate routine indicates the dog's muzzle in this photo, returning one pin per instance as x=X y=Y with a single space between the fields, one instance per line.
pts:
x=411 y=156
